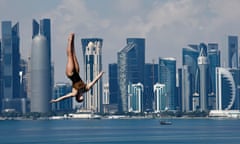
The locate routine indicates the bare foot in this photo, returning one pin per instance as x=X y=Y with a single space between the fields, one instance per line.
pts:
x=71 y=40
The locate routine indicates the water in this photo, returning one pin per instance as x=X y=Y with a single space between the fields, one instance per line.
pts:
x=186 y=131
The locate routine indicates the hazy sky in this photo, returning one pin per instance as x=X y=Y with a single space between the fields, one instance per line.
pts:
x=167 y=25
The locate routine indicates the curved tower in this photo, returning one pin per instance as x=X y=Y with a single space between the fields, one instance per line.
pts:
x=40 y=75
x=225 y=89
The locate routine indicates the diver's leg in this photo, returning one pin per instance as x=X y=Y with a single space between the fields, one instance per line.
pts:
x=75 y=61
x=70 y=59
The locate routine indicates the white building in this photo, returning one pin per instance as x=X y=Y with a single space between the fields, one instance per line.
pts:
x=160 y=101
x=135 y=98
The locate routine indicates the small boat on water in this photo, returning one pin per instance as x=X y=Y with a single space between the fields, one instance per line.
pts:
x=165 y=123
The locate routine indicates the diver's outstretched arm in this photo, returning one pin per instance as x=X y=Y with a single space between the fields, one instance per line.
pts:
x=90 y=85
x=71 y=94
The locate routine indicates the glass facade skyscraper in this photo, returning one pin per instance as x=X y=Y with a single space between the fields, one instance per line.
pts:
x=113 y=83
x=150 y=78
x=61 y=89
x=233 y=51
x=167 y=76
x=10 y=63
x=131 y=60
x=191 y=75
x=1 y=76
x=92 y=59
x=11 y=59
x=189 y=63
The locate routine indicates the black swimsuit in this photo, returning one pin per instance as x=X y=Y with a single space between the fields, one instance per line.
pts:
x=77 y=82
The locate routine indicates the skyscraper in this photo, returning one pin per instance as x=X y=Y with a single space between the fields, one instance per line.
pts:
x=10 y=60
x=160 y=101
x=135 y=98
x=187 y=91
x=150 y=78
x=40 y=77
x=113 y=83
x=92 y=59
x=233 y=51
x=194 y=58
x=214 y=62
x=203 y=64
x=41 y=86
x=225 y=89
x=167 y=76
x=43 y=28
x=61 y=89
x=189 y=68
x=131 y=60
x=1 y=76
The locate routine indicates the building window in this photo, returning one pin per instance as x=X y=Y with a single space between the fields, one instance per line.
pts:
x=8 y=81
x=7 y=59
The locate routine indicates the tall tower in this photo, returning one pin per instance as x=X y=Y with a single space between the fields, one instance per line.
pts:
x=40 y=76
x=10 y=60
x=1 y=77
x=92 y=53
x=225 y=89
x=167 y=76
x=233 y=51
x=203 y=64
x=189 y=68
x=131 y=60
x=41 y=90
x=150 y=78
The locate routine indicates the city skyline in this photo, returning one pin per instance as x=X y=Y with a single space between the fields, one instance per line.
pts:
x=130 y=68
x=164 y=24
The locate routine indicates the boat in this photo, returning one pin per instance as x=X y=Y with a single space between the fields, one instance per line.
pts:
x=165 y=123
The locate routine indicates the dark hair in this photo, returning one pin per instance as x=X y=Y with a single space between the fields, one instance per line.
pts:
x=77 y=98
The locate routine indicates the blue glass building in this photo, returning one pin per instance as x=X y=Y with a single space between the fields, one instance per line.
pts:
x=189 y=63
x=233 y=52
x=131 y=60
x=61 y=89
x=191 y=75
x=150 y=78
x=167 y=76
x=10 y=61
x=1 y=76
x=113 y=83
x=214 y=57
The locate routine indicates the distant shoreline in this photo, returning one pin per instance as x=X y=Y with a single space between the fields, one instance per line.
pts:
x=107 y=118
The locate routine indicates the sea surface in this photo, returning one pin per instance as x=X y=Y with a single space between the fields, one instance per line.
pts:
x=136 y=131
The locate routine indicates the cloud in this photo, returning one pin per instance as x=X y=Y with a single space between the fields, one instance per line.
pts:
x=167 y=25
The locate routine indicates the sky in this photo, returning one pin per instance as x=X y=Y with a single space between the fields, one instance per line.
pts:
x=167 y=25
